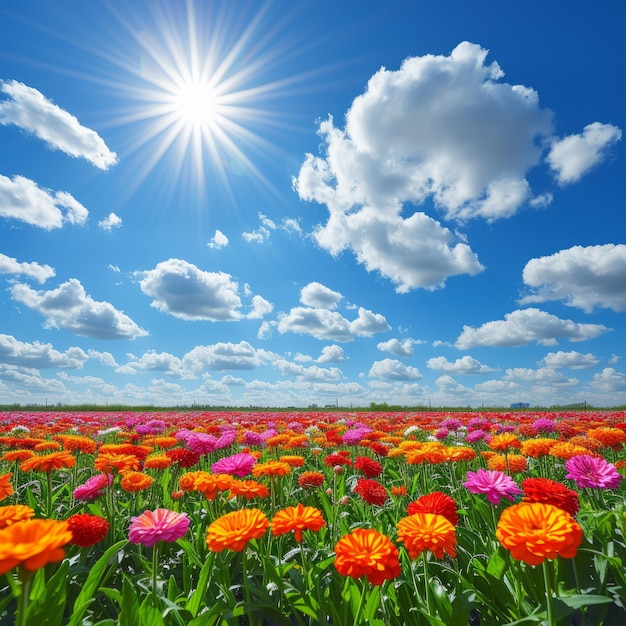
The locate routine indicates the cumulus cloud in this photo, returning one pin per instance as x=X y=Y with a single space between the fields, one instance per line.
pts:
x=319 y=296
x=39 y=355
x=525 y=326
x=219 y=240
x=110 y=222
x=583 y=277
x=264 y=231
x=152 y=361
x=225 y=356
x=40 y=273
x=32 y=111
x=543 y=377
x=441 y=128
x=609 y=380
x=392 y=369
x=466 y=366
x=332 y=354
x=185 y=291
x=331 y=325
x=70 y=307
x=397 y=347
x=570 y=360
x=309 y=374
x=573 y=156
x=22 y=199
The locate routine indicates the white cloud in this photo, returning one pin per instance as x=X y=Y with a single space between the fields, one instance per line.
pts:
x=310 y=374
x=225 y=356
x=525 y=326
x=39 y=355
x=445 y=128
x=398 y=348
x=71 y=308
x=106 y=358
x=609 y=380
x=40 y=273
x=331 y=325
x=31 y=110
x=542 y=377
x=110 y=221
x=183 y=290
x=22 y=199
x=319 y=296
x=332 y=354
x=466 y=366
x=260 y=308
x=570 y=360
x=263 y=232
x=573 y=156
x=219 y=240
x=392 y=369
x=152 y=361
x=583 y=277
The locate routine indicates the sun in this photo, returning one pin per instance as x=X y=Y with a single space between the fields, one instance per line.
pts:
x=196 y=104
x=204 y=89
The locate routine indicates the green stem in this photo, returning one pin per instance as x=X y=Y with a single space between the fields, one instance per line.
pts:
x=155 y=564
x=359 y=609
x=49 y=496
x=548 y=586
x=426 y=583
x=26 y=578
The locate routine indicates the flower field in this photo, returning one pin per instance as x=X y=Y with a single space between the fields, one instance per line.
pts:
x=303 y=518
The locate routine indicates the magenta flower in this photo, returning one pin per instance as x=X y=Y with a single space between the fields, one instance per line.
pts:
x=494 y=484
x=475 y=435
x=160 y=525
x=593 y=472
x=93 y=487
x=239 y=464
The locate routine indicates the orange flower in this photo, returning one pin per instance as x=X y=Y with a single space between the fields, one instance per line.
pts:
x=48 y=462
x=504 y=441
x=6 y=488
x=14 y=513
x=271 y=468
x=511 y=463
x=398 y=491
x=161 y=442
x=292 y=460
x=538 y=447
x=566 y=450
x=427 y=531
x=455 y=454
x=47 y=445
x=534 y=531
x=310 y=480
x=248 y=489
x=109 y=462
x=157 y=461
x=33 y=544
x=609 y=436
x=234 y=530
x=135 y=481
x=297 y=518
x=17 y=455
x=86 y=445
x=366 y=552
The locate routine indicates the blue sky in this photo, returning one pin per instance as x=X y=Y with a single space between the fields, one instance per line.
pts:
x=286 y=204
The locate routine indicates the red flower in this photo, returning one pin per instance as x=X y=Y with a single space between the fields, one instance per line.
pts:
x=337 y=458
x=86 y=529
x=368 y=467
x=550 y=492
x=310 y=480
x=380 y=449
x=437 y=503
x=371 y=491
x=183 y=457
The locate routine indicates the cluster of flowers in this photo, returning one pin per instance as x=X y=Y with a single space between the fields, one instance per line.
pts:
x=382 y=462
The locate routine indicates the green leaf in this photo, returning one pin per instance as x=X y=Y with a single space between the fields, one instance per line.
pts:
x=47 y=608
x=195 y=600
x=94 y=580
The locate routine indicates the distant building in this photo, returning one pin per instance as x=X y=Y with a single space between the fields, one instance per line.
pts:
x=520 y=405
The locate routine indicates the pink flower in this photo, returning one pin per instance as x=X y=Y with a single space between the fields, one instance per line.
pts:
x=593 y=472
x=93 y=487
x=494 y=484
x=239 y=464
x=160 y=525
